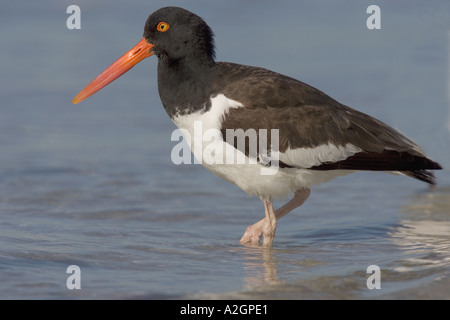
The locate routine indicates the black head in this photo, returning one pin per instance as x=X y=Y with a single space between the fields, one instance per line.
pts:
x=177 y=34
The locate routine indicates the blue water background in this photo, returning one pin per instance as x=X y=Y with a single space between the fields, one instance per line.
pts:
x=93 y=184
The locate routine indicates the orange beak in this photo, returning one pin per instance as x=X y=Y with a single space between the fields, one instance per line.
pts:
x=139 y=52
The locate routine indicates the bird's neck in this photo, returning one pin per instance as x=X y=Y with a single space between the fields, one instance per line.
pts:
x=185 y=84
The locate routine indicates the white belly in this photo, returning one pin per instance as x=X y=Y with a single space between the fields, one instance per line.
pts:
x=201 y=131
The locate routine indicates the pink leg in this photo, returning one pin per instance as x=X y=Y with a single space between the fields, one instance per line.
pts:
x=267 y=226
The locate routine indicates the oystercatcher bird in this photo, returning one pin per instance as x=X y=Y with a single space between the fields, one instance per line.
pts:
x=271 y=135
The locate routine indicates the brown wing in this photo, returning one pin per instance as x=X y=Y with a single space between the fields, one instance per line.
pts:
x=307 y=118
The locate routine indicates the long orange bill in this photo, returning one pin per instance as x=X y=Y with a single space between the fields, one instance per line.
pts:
x=139 y=52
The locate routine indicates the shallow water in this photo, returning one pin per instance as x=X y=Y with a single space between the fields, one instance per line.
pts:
x=93 y=185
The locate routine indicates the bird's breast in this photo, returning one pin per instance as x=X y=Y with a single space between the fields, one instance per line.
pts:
x=202 y=133
x=201 y=129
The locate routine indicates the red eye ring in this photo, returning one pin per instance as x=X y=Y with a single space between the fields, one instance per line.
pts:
x=163 y=26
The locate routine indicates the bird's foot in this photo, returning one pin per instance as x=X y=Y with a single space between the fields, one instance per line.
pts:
x=262 y=228
x=252 y=235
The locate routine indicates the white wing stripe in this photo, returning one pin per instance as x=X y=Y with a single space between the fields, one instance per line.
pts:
x=325 y=153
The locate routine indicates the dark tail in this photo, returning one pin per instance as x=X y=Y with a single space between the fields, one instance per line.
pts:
x=422 y=175
x=425 y=175
x=415 y=166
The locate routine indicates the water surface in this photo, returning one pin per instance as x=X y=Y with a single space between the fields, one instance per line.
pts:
x=93 y=184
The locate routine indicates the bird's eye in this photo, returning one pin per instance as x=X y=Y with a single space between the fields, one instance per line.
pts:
x=163 y=26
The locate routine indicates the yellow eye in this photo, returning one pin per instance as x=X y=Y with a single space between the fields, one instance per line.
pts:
x=163 y=26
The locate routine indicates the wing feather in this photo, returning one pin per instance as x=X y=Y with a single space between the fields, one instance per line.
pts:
x=307 y=120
